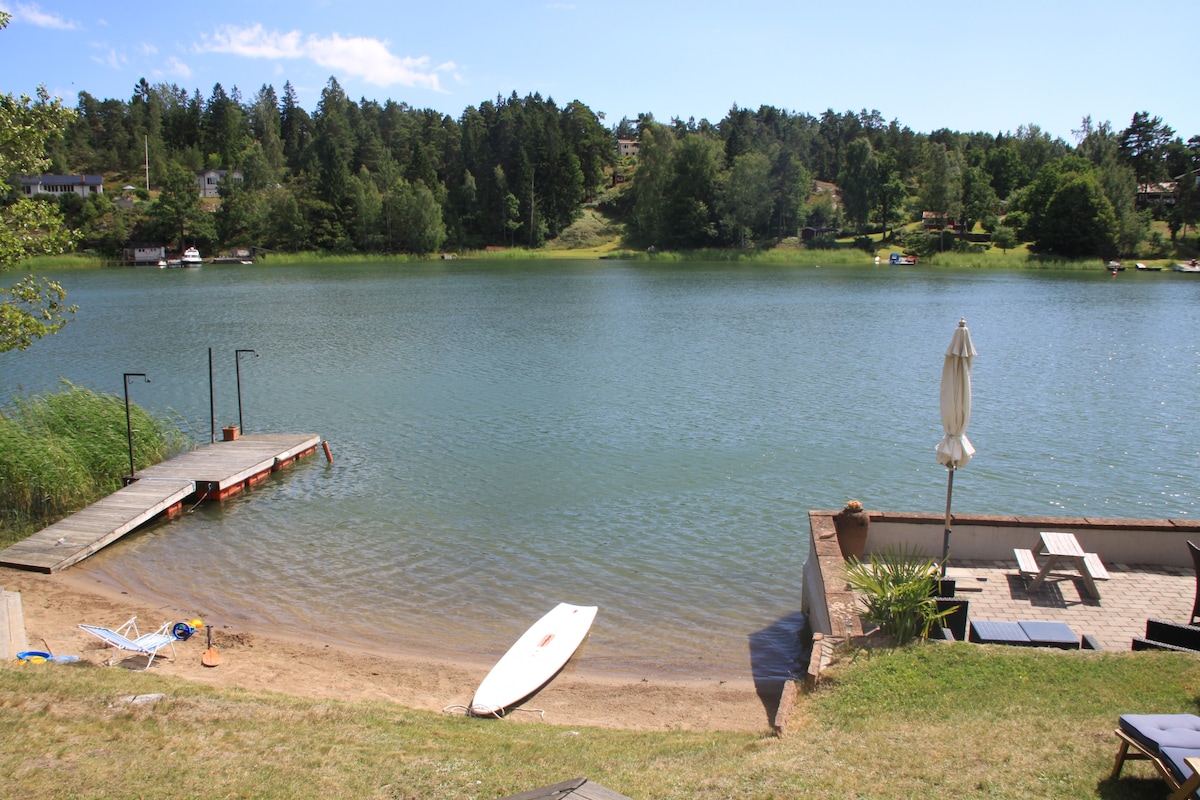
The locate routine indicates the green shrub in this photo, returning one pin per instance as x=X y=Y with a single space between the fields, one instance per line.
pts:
x=898 y=586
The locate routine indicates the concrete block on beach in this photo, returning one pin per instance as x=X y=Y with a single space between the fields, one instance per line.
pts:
x=12 y=625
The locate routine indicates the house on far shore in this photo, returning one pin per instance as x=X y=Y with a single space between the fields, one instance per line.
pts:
x=936 y=221
x=208 y=182
x=1156 y=194
x=82 y=185
x=143 y=254
x=627 y=147
x=810 y=232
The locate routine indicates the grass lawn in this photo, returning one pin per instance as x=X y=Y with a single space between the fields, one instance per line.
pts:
x=929 y=721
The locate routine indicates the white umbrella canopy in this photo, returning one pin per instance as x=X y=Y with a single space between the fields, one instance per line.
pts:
x=955 y=450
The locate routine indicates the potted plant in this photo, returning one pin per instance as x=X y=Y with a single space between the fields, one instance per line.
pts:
x=851 y=524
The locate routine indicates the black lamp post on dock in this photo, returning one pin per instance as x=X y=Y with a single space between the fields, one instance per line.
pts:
x=128 y=424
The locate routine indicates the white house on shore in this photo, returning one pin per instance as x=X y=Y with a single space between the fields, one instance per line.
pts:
x=143 y=254
x=82 y=185
x=208 y=181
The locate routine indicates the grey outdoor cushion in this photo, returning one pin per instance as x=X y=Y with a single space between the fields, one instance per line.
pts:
x=1173 y=757
x=1158 y=731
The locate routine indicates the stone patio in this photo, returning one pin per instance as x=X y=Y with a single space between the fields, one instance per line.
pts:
x=994 y=591
x=1148 y=561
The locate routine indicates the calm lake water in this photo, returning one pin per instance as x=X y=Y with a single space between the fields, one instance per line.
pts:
x=646 y=439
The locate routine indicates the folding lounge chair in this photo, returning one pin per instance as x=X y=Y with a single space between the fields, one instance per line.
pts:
x=1171 y=742
x=148 y=644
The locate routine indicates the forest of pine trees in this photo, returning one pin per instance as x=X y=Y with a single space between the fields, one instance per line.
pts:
x=365 y=177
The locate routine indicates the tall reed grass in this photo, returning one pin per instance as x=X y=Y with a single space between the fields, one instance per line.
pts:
x=65 y=261
x=63 y=450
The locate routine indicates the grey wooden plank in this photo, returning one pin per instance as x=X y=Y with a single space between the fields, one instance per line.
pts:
x=78 y=536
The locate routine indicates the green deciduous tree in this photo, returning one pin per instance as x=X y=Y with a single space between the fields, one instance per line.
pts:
x=691 y=192
x=33 y=307
x=178 y=206
x=858 y=179
x=978 y=197
x=1079 y=220
x=418 y=218
x=1004 y=237
x=1007 y=171
x=650 y=188
x=745 y=199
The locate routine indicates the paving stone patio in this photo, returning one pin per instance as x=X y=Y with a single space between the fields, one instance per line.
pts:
x=1133 y=594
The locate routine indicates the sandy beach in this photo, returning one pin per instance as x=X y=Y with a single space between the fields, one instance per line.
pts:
x=55 y=605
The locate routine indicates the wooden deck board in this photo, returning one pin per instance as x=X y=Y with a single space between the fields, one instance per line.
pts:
x=214 y=468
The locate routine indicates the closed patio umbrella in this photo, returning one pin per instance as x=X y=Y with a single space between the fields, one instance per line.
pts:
x=955 y=450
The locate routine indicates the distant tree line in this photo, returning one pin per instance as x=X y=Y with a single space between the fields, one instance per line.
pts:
x=750 y=177
x=350 y=177
x=370 y=177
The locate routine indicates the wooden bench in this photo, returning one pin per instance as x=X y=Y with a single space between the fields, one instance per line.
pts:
x=1094 y=567
x=1026 y=563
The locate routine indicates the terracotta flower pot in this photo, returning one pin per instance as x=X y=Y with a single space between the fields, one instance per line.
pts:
x=851 y=527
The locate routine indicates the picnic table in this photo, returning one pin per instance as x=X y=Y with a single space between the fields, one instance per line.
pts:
x=1055 y=549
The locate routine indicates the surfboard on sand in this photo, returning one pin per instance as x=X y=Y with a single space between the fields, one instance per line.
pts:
x=533 y=659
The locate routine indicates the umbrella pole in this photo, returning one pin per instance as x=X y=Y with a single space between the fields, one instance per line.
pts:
x=946 y=532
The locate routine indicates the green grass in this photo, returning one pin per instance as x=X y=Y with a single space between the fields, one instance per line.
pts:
x=926 y=721
x=64 y=261
x=63 y=450
x=322 y=257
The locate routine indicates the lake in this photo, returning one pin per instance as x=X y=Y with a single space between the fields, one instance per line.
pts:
x=644 y=438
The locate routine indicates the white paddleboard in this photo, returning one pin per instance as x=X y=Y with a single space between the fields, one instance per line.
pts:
x=533 y=659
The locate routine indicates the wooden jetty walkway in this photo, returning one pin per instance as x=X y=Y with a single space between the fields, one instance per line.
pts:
x=213 y=472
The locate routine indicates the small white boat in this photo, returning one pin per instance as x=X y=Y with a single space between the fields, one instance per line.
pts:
x=1191 y=266
x=191 y=258
x=533 y=659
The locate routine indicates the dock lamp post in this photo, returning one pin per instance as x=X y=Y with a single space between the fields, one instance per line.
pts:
x=128 y=424
x=237 y=359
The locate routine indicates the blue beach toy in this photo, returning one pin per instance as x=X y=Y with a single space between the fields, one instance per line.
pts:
x=41 y=657
x=182 y=631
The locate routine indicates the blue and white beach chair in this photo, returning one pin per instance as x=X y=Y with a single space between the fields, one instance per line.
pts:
x=148 y=644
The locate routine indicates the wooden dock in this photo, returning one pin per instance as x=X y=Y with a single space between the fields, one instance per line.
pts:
x=214 y=472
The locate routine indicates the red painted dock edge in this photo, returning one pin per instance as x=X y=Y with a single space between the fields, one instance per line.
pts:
x=212 y=490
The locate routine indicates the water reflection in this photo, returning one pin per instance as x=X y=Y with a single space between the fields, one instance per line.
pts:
x=644 y=439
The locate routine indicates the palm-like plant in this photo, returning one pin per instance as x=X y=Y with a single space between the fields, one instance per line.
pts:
x=898 y=586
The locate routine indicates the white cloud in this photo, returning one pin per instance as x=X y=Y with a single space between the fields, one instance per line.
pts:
x=175 y=67
x=111 y=58
x=32 y=14
x=148 y=49
x=358 y=56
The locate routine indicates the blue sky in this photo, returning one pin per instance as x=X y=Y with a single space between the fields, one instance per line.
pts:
x=965 y=66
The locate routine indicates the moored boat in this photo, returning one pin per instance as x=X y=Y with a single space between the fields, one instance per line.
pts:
x=1191 y=266
x=191 y=258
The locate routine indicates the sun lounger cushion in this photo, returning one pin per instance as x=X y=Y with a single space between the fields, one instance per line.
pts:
x=1173 y=758
x=1050 y=634
x=1157 y=731
x=992 y=632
